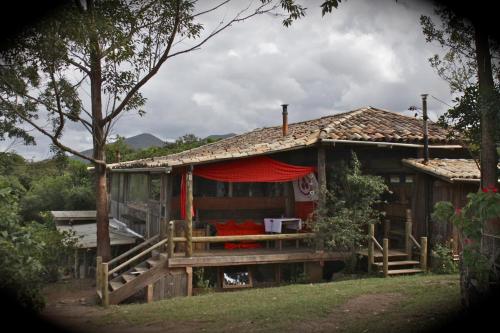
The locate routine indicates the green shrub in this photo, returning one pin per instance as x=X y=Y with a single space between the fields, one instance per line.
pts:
x=30 y=253
x=442 y=260
x=349 y=208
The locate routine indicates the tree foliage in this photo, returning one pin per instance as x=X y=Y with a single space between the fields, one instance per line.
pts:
x=458 y=66
x=350 y=206
x=471 y=221
x=30 y=253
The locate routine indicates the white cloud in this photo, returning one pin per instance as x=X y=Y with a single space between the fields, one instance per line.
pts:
x=363 y=53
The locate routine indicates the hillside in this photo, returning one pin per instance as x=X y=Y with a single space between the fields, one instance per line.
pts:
x=147 y=140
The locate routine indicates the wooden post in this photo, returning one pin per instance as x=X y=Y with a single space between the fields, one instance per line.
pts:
x=408 y=232
x=386 y=257
x=371 y=234
x=76 y=266
x=163 y=207
x=170 y=243
x=189 y=272
x=98 y=273
x=149 y=293
x=104 y=284
x=83 y=273
x=387 y=228
x=207 y=233
x=322 y=187
x=423 y=253
x=189 y=212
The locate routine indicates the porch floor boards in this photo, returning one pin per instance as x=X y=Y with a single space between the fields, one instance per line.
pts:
x=251 y=257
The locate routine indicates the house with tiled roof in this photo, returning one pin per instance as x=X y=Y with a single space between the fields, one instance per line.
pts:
x=240 y=203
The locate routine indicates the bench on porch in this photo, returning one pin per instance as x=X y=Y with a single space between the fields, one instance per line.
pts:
x=248 y=227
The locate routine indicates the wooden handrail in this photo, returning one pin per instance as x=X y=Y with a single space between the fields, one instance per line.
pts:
x=415 y=241
x=377 y=243
x=149 y=249
x=132 y=250
x=222 y=239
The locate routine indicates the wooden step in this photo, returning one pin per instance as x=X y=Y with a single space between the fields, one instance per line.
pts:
x=128 y=277
x=404 y=271
x=152 y=262
x=377 y=254
x=140 y=269
x=115 y=285
x=398 y=263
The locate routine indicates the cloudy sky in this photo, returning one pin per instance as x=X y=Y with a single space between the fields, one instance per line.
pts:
x=364 y=53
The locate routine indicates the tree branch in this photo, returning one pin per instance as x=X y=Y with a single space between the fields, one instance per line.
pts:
x=54 y=139
x=145 y=79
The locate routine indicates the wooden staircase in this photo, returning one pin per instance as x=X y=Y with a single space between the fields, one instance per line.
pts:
x=127 y=278
x=392 y=262
x=398 y=263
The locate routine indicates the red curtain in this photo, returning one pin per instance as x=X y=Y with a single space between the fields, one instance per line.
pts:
x=248 y=170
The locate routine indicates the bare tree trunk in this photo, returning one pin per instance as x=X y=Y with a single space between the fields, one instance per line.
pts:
x=488 y=108
x=473 y=292
x=99 y=141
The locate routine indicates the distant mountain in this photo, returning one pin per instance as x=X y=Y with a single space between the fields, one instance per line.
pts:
x=146 y=140
x=220 y=136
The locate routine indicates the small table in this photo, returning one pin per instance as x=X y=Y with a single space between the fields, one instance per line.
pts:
x=275 y=225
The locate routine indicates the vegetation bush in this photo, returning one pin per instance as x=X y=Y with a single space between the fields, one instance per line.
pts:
x=442 y=260
x=30 y=253
x=470 y=220
x=349 y=208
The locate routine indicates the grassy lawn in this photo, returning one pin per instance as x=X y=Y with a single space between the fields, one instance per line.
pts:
x=399 y=304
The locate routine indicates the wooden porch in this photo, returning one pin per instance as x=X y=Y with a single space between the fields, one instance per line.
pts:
x=251 y=257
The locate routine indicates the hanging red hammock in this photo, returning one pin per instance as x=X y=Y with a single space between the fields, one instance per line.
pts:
x=248 y=170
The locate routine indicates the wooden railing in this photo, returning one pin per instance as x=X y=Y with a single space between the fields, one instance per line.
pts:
x=410 y=241
x=103 y=271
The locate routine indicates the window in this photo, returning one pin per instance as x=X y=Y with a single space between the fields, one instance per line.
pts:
x=155 y=187
x=236 y=277
x=137 y=187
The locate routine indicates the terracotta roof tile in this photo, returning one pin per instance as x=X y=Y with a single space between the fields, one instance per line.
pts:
x=451 y=170
x=365 y=124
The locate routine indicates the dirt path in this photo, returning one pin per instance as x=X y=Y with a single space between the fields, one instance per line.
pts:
x=355 y=309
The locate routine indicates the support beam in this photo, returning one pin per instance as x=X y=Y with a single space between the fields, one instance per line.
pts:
x=189 y=212
x=189 y=272
x=371 y=234
x=322 y=187
x=104 y=284
x=149 y=293
x=408 y=233
x=98 y=273
x=387 y=228
x=170 y=244
x=76 y=265
x=386 y=257
x=423 y=253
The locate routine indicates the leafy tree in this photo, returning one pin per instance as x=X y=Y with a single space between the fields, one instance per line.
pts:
x=471 y=66
x=349 y=208
x=116 y=151
x=114 y=48
x=30 y=253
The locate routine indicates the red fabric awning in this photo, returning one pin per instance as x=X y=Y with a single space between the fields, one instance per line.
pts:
x=248 y=170
x=253 y=169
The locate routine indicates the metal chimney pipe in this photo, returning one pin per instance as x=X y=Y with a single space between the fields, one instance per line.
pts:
x=426 y=130
x=285 y=119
